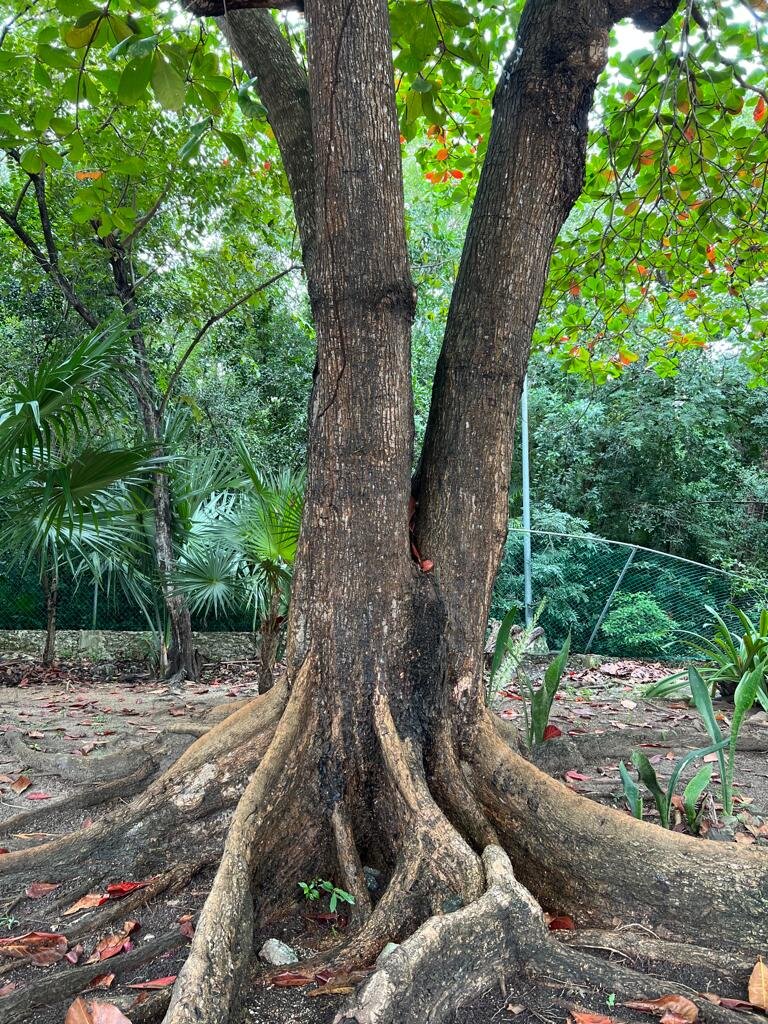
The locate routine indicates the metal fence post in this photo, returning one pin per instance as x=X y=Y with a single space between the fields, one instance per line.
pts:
x=609 y=602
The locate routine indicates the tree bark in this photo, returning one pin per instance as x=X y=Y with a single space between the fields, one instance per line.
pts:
x=51 y=591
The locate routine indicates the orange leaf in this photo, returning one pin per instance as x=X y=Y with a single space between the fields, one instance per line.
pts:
x=38 y=889
x=21 y=784
x=760 y=110
x=102 y=981
x=758 y=985
x=42 y=948
x=590 y=1018
x=574 y=289
x=441 y=154
x=711 y=253
x=457 y=174
x=677 y=1005
x=88 y=175
x=90 y=900
x=641 y=269
x=81 y=1012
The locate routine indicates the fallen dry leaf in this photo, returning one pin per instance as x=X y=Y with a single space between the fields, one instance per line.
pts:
x=42 y=948
x=102 y=981
x=758 y=985
x=117 y=890
x=677 y=1005
x=590 y=1018
x=37 y=890
x=113 y=944
x=291 y=979
x=562 y=923
x=6 y=990
x=21 y=784
x=90 y=900
x=156 y=983
x=74 y=954
x=729 y=1004
x=81 y=1012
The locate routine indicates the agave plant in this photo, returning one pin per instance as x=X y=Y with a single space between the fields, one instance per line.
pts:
x=241 y=554
x=728 y=658
x=58 y=500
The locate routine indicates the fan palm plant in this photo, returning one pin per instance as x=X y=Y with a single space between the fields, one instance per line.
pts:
x=242 y=551
x=58 y=501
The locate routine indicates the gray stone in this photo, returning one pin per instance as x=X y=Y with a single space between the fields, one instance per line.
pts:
x=388 y=950
x=278 y=953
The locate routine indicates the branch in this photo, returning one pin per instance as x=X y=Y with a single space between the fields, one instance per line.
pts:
x=142 y=222
x=218 y=8
x=50 y=268
x=214 y=319
x=283 y=87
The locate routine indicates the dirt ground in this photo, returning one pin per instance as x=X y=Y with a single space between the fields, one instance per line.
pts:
x=80 y=711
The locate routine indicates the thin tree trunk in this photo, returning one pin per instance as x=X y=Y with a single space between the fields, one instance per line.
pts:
x=183 y=659
x=268 y=642
x=51 y=591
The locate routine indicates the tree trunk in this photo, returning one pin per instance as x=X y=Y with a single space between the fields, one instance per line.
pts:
x=375 y=749
x=51 y=591
x=269 y=639
x=184 y=661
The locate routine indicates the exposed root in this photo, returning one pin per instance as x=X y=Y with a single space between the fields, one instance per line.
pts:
x=207 y=990
x=24 y=1004
x=66 y=766
x=452 y=958
x=352 y=875
x=589 y=860
x=93 y=796
x=204 y=782
x=719 y=970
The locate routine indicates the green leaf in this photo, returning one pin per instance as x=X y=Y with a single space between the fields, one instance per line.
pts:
x=134 y=80
x=501 y=642
x=421 y=85
x=631 y=792
x=167 y=84
x=31 y=161
x=82 y=33
x=692 y=794
x=648 y=776
x=234 y=144
x=55 y=57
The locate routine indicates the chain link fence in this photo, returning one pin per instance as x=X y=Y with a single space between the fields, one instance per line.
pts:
x=615 y=599
x=619 y=599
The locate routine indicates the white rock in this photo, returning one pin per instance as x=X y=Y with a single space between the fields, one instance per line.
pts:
x=278 y=953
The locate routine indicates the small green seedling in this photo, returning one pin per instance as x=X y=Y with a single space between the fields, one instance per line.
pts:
x=610 y=1002
x=313 y=891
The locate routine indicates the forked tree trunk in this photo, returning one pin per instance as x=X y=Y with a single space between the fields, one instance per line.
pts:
x=375 y=748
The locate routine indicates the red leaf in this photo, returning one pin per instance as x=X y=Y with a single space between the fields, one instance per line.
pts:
x=760 y=109
x=38 y=796
x=552 y=732
x=291 y=979
x=590 y=1018
x=21 y=784
x=81 y=1012
x=117 y=890
x=37 y=890
x=102 y=981
x=74 y=954
x=563 y=923
x=575 y=776
x=157 y=983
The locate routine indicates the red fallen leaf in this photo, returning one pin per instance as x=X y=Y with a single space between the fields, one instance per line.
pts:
x=324 y=976
x=291 y=979
x=36 y=735
x=81 y=1012
x=117 y=890
x=4 y=849
x=7 y=989
x=186 y=926
x=87 y=902
x=563 y=923
x=74 y=954
x=37 y=890
x=758 y=985
x=38 y=796
x=759 y=112
x=111 y=945
x=102 y=981
x=157 y=983
x=552 y=732
x=680 y=1006
x=575 y=776
x=42 y=948
x=21 y=784
x=590 y=1018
